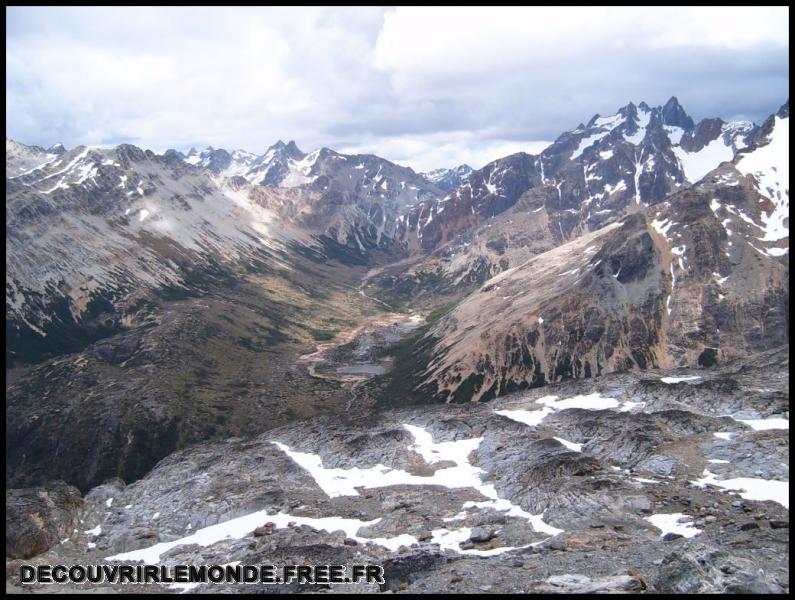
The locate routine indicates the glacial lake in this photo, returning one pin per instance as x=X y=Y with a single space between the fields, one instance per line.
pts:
x=366 y=369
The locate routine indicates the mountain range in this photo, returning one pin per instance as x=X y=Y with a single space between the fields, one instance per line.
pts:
x=155 y=301
x=561 y=372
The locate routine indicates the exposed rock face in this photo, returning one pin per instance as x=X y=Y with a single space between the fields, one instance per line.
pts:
x=589 y=178
x=364 y=201
x=674 y=115
x=642 y=295
x=269 y=169
x=87 y=234
x=613 y=165
x=697 y=278
x=705 y=570
x=114 y=213
x=500 y=353
x=485 y=497
x=448 y=179
x=93 y=232
x=38 y=518
x=582 y=584
x=22 y=159
x=360 y=201
x=486 y=192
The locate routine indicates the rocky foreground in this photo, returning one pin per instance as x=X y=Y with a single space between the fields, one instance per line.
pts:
x=659 y=481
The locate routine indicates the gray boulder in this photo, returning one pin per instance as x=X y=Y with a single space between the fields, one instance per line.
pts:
x=700 y=569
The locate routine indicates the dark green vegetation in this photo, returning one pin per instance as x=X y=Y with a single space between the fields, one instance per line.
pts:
x=214 y=360
x=63 y=333
x=440 y=311
x=425 y=289
x=404 y=384
x=708 y=358
x=322 y=335
x=105 y=309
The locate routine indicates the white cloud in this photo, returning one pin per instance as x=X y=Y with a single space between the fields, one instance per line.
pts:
x=220 y=76
x=418 y=85
x=728 y=27
x=450 y=149
x=437 y=40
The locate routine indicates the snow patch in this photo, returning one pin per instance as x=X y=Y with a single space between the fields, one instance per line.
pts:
x=662 y=227
x=765 y=424
x=238 y=528
x=674 y=134
x=593 y=401
x=588 y=141
x=344 y=482
x=750 y=488
x=769 y=166
x=697 y=164
x=606 y=154
x=642 y=122
x=570 y=445
x=679 y=379
x=611 y=189
x=674 y=523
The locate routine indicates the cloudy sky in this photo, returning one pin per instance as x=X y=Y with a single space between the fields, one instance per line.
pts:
x=425 y=87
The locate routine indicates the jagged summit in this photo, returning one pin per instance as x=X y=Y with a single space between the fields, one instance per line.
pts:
x=175 y=153
x=22 y=159
x=629 y=111
x=293 y=147
x=673 y=114
x=449 y=179
x=635 y=157
x=290 y=148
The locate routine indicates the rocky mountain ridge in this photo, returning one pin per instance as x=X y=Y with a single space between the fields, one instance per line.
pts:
x=449 y=179
x=116 y=254
x=702 y=272
x=563 y=372
x=588 y=178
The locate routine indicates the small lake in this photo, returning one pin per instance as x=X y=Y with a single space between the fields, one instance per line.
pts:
x=366 y=369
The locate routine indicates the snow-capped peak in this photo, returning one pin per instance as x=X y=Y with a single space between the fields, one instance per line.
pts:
x=768 y=164
x=22 y=159
x=448 y=179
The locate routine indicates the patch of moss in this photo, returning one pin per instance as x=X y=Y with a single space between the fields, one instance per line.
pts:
x=708 y=358
x=468 y=388
x=440 y=311
x=347 y=255
x=63 y=334
x=403 y=384
x=322 y=335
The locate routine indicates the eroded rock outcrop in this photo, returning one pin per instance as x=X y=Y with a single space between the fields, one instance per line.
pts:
x=39 y=518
